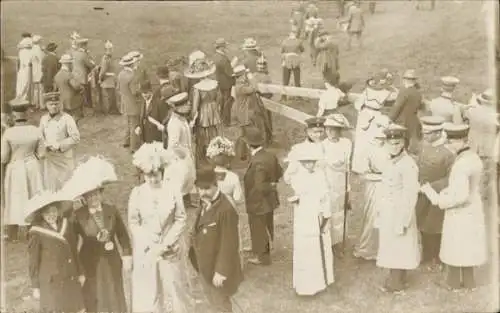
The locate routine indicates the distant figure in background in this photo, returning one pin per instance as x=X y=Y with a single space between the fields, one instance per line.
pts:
x=107 y=81
x=252 y=53
x=328 y=101
x=444 y=105
x=482 y=119
x=291 y=53
x=82 y=66
x=69 y=88
x=405 y=111
x=50 y=67
x=297 y=22
x=146 y=131
x=21 y=149
x=24 y=75
x=262 y=77
x=225 y=80
x=327 y=55
x=432 y=4
x=371 y=6
x=60 y=135
x=356 y=23
x=36 y=61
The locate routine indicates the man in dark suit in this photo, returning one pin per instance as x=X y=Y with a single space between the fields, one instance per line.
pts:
x=50 y=66
x=405 y=110
x=225 y=79
x=214 y=251
x=261 y=196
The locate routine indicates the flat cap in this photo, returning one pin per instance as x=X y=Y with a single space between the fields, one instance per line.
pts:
x=51 y=96
x=395 y=131
x=315 y=122
x=456 y=131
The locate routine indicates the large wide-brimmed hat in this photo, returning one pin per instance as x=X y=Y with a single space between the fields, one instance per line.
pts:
x=249 y=44
x=199 y=67
x=254 y=137
x=151 y=157
x=486 y=97
x=136 y=55
x=95 y=173
x=337 y=120
x=180 y=103
x=127 y=60
x=41 y=201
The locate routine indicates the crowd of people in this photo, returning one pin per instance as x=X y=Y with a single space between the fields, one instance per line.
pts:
x=420 y=165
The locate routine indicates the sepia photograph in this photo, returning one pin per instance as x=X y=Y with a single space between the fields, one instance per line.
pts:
x=250 y=156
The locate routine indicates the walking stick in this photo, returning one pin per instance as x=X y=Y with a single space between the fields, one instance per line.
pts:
x=347 y=201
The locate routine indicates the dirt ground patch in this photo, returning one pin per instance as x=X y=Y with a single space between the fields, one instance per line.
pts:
x=450 y=40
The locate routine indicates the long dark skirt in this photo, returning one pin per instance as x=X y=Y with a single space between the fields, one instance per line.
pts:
x=103 y=289
x=203 y=136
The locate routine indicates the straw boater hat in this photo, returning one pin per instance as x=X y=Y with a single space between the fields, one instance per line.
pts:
x=95 y=173
x=337 y=120
x=136 y=55
x=449 y=83
x=66 y=59
x=199 y=67
x=127 y=60
x=180 y=103
x=40 y=201
x=486 y=97
x=456 y=131
x=432 y=123
x=249 y=44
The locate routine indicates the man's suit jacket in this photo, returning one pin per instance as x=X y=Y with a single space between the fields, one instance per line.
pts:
x=50 y=67
x=223 y=71
x=404 y=111
x=158 y=110
x=82 y=65
x=69 y=89
x=215 y=244
x=260 y=179
x=128 y=87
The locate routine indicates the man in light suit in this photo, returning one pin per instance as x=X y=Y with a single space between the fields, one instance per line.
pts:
x=128 y=88
x=82 y=66
x=69 y=88
x=225 y=79
x=261 y=196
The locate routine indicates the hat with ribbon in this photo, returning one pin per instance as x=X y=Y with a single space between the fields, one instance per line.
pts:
x=486 y=97
x=127 y=60
x=51 y=47
x=456 y=131
x=394 y=131
x=136 y=55
x=51 y=97
x=249 y=44
x=180 y=103
x=254 y=137
x=66 y=59
x=337 y=120
x=432 y=123
x=315 y=122
x=94 y=173
x=199 y=66
x=40 y=201
x=220 y=43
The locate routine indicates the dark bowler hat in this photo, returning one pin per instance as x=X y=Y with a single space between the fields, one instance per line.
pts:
x=51 y=47
x=51 y=97
x=456 y=131
x=205 y=177
x=254 y=137
x=145 y=86
x=315 y=122
x=163 y=72
x=395 y=131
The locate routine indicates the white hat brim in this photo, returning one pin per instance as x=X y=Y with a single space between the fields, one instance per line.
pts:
x=201 y=74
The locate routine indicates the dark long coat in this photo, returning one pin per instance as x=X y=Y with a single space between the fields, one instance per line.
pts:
x=405 y=111
x=215 y=244
x=263 y=172
x=158 y=109
x=54 y=266
x=434 y=163
x=103 y=289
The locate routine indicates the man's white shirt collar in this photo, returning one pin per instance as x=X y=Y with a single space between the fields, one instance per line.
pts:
x=254 y=151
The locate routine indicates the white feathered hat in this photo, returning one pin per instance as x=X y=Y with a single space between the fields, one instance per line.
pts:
x=151 y=157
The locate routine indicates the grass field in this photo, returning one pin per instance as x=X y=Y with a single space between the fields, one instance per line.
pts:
x=450 y=40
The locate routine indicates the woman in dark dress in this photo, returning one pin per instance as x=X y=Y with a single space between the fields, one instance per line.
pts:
x=102 y=229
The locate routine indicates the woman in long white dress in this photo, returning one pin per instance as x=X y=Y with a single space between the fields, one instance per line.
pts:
x=24 y=67
x=312 y=254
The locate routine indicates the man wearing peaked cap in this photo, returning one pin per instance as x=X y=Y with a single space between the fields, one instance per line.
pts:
x=434 y=161
x=444 y=105
x=178 y=128
x=400 y=192
x=464 y=238
x=405 y=109
x=70 y=89
x=107 y=80
x=60 y=135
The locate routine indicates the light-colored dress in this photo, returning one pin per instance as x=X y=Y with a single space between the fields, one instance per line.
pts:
x=367 y=243
x=312 y=260
x=23 y=73
x=482 y=121
x=336 y=166
x=447 y=109
x=59 y=165
x=157 y=218
x=21 y=146
x=399 y=192
x=463 y=241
